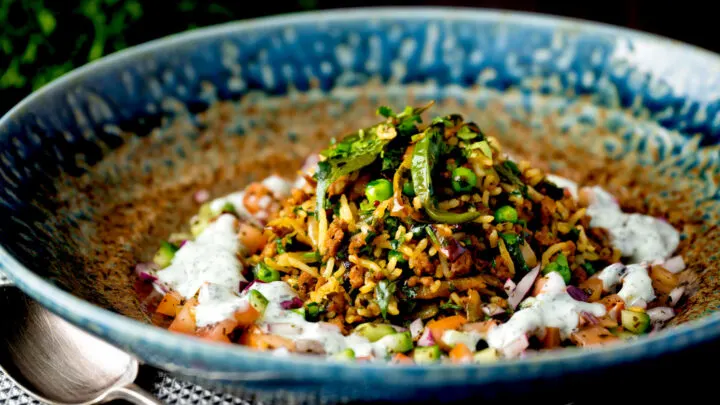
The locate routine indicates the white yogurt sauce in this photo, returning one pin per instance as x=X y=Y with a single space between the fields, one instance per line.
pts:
x=210 y=258
x=217 y=303
x=612 y=275
x=291 y=325
x=636 y=283
x=642 y=238
x=553 y=307
x=236 y=200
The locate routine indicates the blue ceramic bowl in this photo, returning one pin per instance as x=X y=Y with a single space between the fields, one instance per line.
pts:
x=98 y=166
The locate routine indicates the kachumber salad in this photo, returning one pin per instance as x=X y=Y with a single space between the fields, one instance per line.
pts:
x=417 y=243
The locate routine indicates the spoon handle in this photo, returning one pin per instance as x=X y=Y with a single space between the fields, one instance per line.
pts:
x=133 y=394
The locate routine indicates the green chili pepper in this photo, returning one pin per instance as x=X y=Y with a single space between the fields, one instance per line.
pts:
x=354 y=152
x=425 y=155
x=265 y=273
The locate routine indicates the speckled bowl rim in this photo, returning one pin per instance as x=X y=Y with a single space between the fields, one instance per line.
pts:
x=95 y=319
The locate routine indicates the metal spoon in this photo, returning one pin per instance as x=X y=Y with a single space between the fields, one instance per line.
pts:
x=59 y=364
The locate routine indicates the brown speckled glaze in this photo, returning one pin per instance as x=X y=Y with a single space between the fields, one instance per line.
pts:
x=135 y=208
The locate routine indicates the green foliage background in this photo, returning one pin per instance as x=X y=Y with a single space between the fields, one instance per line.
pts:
x=43 y=39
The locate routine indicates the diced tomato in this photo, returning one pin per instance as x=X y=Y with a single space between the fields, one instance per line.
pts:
x=400 y=358
x=170 y=304
x=438 y=327
x=593 y=336
x=219 y=332
x=551 y=339
x=246 y=317
x=594 y=286
x=663 y=281
x=460 y=354
x=611 y=301
x=538 y=286
x=255 y=338
x=185 y=320
x=251 y=237
x=480 y=327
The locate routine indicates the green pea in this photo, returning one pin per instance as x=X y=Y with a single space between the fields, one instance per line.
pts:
x=313 y=312
x=506 y=213
x=378 y=190
x=408 y=189
x=561 y=266
x=463 y=179
x=266 y=274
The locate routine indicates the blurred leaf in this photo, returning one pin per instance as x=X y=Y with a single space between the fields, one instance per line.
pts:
x=46 y=19
x=186 y=5
x=134 y=8
x=6 y=45
x=31 y=50
x=12 y=76
x=215 y=8
x=308 y=4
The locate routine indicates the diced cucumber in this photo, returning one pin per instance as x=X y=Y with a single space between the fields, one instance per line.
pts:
x=426 y=355
x=635 y=322
x=374 y=331
x=202 y=219
x=488 y=355
x=397 y=342
x=347 y=354
x=165 y=254
x=623 y=334
x=258 y=301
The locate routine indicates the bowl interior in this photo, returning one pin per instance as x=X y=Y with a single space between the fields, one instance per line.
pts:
x=100 y=166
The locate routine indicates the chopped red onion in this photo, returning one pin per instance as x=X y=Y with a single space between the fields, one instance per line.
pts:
x=523 y=287
x=292 y=304
x=160 y=287
x=182 y=243
x=509 y=286
x=398 y=328
x=426 y=339
x=201 y=196
x=493 y=309
x=245 y=286
x=577 y=293
x=146 y=271
x=674 y=264
x=416 y=328
x=516 y=347
x=638 y=303
x=660 y=314
x=590 y=318
x=675 y=295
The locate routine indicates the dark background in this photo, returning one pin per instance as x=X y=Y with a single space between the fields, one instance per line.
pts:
x=42 y=39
